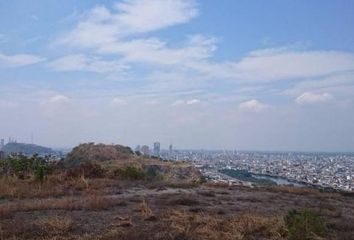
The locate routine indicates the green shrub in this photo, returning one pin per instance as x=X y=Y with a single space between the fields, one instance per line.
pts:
x=131 y=173
x=39 y=173
x=202 y=179
x=304 y=224
x=23 y=167
x=88 y=170
x=151 y=173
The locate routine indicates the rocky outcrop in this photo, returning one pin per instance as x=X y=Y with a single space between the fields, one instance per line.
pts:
x=175 y=171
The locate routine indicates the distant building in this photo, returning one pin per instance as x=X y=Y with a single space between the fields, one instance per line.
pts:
x=137 y=148
x=156 y=151
x=170 y=150
x=145 y=150
x=2 y=155
x=2 y=143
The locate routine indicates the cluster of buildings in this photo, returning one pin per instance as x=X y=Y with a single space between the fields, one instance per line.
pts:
x=155 y=151
x=325 y=170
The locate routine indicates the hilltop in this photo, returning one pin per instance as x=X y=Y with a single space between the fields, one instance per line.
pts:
x=113 y=158
x=27 y=149
x=98 y=153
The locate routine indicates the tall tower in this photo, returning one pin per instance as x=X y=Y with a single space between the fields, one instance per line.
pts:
x=156 y=151
x=170 y=150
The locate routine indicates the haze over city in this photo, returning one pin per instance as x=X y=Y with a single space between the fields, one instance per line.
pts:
x=250 y=75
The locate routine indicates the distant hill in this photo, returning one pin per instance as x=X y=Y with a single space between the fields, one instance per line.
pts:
x=28 y=149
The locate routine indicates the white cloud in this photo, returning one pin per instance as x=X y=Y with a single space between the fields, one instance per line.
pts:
x=340 y=85
x=177 y=103
x=192 y=101
x=150 y=15
x=8 y=104
x=252 y=106
x=116 y=31
x=186 y=102
x=105 y=31
x=155 y=51
x=312 y=98
x=58 y=99
x=19 y=60
x=34 y=17
x=80 y=62
x=152 y=102
x=277 y=64
x=101 y=26
x=119 y=101
x=291 y=64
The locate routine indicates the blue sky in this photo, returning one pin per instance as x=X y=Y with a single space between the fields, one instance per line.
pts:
x=264 y=75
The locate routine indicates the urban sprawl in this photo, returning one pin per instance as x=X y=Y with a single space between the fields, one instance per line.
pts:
x=323 y=170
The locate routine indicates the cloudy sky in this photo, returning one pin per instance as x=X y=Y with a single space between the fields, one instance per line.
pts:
x=252 y=75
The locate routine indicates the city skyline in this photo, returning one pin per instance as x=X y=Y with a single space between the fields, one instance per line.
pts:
x=276 y=76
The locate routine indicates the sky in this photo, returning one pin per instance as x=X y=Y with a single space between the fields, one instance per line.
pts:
x=201 y=74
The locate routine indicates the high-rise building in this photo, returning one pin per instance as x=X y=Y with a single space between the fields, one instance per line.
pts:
x=170 y=150
x=156 y=151
x=145 y=150
x=2 y=143
x=137 y=148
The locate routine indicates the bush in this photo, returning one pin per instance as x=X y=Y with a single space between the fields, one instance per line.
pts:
x=23 y=167
x=304 y=224
x=131 y=173
x=202 y=179
x=87 y=170
x=39 y=173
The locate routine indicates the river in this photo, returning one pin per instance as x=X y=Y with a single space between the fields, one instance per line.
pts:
x=278 y=180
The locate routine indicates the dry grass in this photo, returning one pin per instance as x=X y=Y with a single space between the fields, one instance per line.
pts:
x=52 y=186
x=91 y=203
x=184 y=200
x=12 y=187
x=203 y=226
x=96 y=202
x=217 y=184
x=67 y=203
x=145 y=210
x=55 y=225
x=296 y=190
x=44 y=228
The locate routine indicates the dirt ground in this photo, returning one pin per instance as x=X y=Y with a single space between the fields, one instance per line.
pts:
x=126 y=210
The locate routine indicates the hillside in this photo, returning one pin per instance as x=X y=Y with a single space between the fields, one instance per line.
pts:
x=28 y=149
x=110 y=193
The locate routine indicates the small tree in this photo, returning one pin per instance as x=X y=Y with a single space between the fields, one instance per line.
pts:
x=39 y=173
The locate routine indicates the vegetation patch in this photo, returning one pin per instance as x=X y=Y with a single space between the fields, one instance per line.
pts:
x=88 y=170
x=23 y=166
x=305 y=224
x=131 y=173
